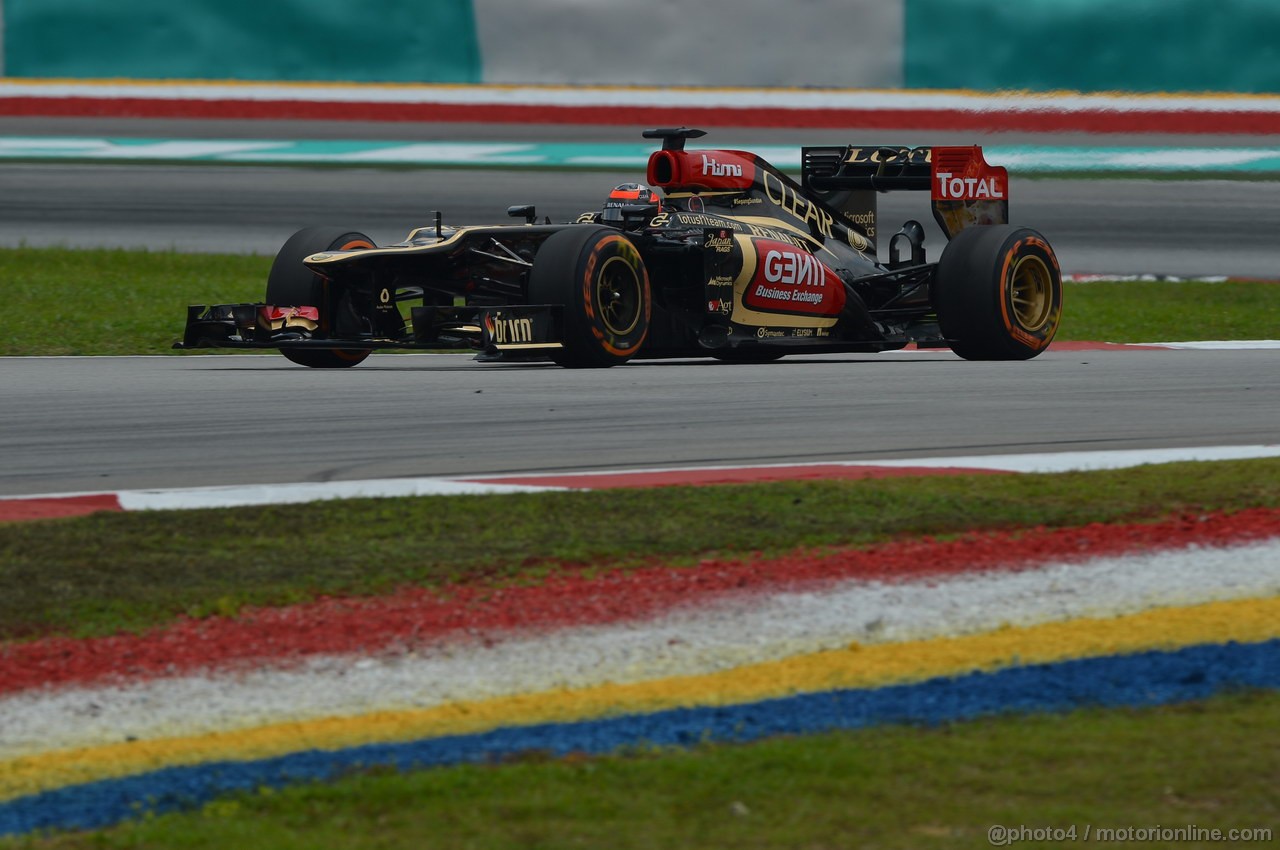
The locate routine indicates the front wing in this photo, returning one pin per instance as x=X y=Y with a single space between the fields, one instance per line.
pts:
x=517 y=327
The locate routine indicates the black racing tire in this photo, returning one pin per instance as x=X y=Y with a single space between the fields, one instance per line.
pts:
x=998 y=293
x=597 y=274
x=292 y=284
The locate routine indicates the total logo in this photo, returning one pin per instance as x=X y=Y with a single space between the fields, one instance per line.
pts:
x=951 y=187
x=717 y=169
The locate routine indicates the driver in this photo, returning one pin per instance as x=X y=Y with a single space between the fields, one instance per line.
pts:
x=630 y=195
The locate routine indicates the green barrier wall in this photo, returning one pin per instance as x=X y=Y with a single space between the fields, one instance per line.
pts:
x=1084 y=45
x=350 y=40
x=1094 y=45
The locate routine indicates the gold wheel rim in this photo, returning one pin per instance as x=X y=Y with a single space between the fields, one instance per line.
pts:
x=618 y=296
x=1031 y=293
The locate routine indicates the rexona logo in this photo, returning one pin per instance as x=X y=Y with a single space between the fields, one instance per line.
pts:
x=715 y=169
x=791 y=280
x=954 y=188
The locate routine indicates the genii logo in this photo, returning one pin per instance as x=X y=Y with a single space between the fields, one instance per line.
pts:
x=788 y=279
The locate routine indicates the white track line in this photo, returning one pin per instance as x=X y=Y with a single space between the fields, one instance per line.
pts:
x=1221 y=344
x=1046 y=462
x=188 y=498
x=284 y=494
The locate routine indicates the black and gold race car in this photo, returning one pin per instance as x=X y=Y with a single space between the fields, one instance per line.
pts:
x=719 y=255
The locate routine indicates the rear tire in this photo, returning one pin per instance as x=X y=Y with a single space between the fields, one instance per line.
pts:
x=998 y=293
x=597 y=274
x=292 y=284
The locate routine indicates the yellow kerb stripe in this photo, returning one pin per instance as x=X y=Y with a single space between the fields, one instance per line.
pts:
x=856 y=666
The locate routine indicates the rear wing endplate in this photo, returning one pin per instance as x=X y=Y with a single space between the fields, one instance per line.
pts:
x=964 y=188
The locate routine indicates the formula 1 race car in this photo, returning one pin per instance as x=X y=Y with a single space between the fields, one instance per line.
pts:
x=733 y=260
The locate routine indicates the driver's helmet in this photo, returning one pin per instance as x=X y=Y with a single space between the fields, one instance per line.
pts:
x=630 y=194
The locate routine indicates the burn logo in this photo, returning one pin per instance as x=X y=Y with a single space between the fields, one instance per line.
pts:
x=508 y=331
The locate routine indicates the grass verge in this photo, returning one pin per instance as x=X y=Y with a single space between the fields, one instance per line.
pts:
x=61 y=301
x=134 y=302
x=112 y=571
x=1155 y=311
x=1212 y=764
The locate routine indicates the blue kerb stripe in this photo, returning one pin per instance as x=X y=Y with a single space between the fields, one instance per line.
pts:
x=1151 y=678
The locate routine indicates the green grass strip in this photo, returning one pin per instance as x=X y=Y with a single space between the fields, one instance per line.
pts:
x=61 y=301
x=1211 y=764
x=112 y=571
x=1158 y=311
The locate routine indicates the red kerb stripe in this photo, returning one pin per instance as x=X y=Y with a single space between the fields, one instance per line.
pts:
x=483 y=611
x=1037 y=121
x=14 y=510
x=744 y=475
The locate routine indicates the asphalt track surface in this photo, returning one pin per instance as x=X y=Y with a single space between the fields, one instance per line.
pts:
x=1183 y=228
x=98 y=424
x=1109 y=226
x=105 y=423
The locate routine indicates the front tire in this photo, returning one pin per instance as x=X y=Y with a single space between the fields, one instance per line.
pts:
x=597 y=274
x=998 y=293
x=292 y=284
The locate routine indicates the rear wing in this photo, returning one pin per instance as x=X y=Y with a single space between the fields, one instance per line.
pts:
x=964 y=189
